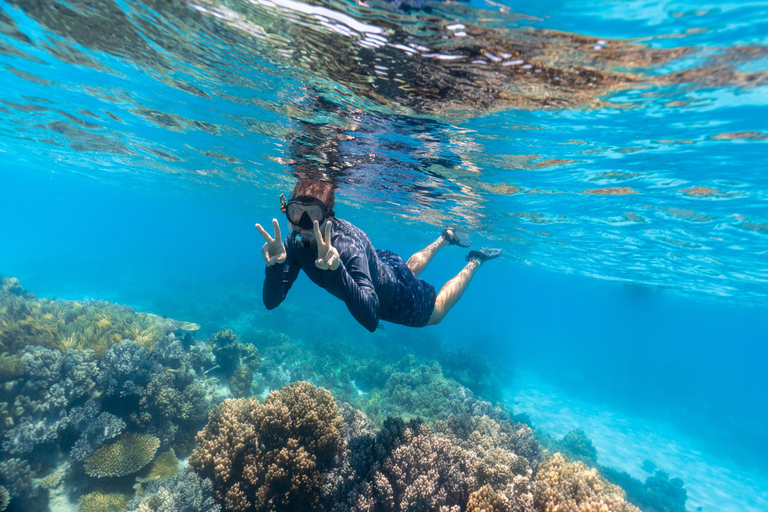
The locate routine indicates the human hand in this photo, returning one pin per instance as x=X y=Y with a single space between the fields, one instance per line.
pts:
x=273 y=250
x=327 y=255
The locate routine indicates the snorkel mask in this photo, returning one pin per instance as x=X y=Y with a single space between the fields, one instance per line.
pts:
x=303 y=211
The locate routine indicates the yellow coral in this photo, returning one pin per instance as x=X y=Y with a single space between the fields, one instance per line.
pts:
x=4 y=498
x=564 y=486
x=128 y=454
x=26 y=320
x=163 y=467
x=486 y=500
x=99 y=502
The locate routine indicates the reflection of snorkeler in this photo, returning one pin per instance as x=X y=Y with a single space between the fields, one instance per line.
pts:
x=374 y=284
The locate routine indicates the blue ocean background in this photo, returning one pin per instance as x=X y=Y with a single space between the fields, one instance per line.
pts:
x=137 y=179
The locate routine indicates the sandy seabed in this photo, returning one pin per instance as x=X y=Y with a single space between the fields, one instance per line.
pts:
x=623 y=442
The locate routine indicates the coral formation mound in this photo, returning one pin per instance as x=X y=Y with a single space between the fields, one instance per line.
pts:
x=561 y=485
x=269 y=457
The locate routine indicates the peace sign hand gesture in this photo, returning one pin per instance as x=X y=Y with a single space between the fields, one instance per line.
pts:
x=273 y=250
x=327 y=255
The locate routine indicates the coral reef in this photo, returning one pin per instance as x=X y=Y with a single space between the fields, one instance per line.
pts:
x=564 y=485
x=17 y=477
x=409 y=466
x=97 y=389
x=487 y=500
x=471 y=370
x=42 y=407
x=659 y=493
x=127 y=455
x=269 y=456
x=5 y=498
x=575 y=445
x=163 y=467
x=422 y=391
x=168 y=400
x=61 y=325
x=230 y=353
x=105 y=427
x=182 y=492
x=505 y=455
x=463 y=402
x=126 y=368
x=224 y=356
x=101 y=502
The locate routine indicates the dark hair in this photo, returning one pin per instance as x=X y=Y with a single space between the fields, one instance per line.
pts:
x=320 y=190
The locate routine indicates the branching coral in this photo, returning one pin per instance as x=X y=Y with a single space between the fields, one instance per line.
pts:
x=126 y=368
x=235 y=361
x=163 y=400
x=402 y=468
x=566 y=486
x=128 y=454
x=231 y=353
x=475 y=432
x=463 y=402
x=410 y=466
x=486 y=500
x=497 y=463
x=105 y=427
x=5 y=498
x=17 y=478
x=269 y=456
x=42 y=408
x=422 y=391
x=182 y=492
x=659 y=493
x=577 y=446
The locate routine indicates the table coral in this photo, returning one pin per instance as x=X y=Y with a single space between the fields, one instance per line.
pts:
x=269 y=456
x=101 y=502
x=564 y=486
x=5 y=498
x=128 y=454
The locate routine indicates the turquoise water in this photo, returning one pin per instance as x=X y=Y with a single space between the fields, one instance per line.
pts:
x=625 y=181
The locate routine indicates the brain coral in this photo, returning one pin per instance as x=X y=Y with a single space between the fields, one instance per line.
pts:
x=128 y=454
x=564 y=486
x=268 y=457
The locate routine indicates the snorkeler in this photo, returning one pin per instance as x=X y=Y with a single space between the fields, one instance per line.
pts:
x=374 y=284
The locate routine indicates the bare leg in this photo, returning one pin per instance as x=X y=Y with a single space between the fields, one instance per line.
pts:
x=421 y=259
x=452 y=291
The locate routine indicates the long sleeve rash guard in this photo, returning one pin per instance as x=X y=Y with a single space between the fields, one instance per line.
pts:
x=365 y=284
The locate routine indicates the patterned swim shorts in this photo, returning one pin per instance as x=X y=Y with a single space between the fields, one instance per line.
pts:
x=414 y=299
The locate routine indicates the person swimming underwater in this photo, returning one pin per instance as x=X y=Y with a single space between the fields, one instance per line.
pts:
x=374 y=284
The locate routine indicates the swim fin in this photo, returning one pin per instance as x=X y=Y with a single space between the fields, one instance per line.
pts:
x=457 y=237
